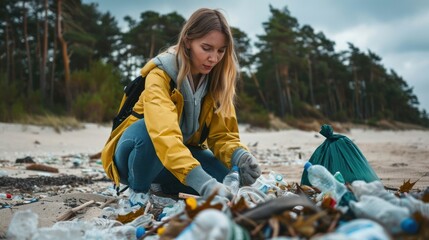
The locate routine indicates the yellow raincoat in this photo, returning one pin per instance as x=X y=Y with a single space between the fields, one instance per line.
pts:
x=162 y=109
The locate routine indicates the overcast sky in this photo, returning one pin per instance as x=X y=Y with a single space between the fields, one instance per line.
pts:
x=396 y=30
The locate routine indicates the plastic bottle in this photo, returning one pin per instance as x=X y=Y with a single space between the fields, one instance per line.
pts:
x=278 y=179
x=394 y=218
x=321 y=178
x=5 y=195
x=232 y=180
x=170 y=211
x=261 y=184
x=145 y=221
x=211 y=224
x=127 y=232
x=376 y=188
x=21 y=220
x=252 y=196
x=363 y=229
x=339 y=177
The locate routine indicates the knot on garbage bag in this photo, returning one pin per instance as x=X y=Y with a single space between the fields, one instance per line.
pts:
x=326 y=130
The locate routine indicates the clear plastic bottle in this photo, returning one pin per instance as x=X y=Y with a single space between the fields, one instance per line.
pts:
x=232 y=180
x=23 y=225
x=394 y=218
x=339 y=177
x=321 y=178
x=262 y=184
x=363 y=229
x=357 y=229
x=251 y=195
x=212 y=224
x=127 y=232
x=376 y=188
x=278 y=179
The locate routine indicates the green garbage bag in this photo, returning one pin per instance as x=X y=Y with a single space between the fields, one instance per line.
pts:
x=339 y=153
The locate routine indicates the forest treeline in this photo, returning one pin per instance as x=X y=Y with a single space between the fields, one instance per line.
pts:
x=68 y=58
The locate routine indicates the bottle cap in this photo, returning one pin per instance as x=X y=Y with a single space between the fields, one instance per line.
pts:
x=409 y=225
x=140 y=231
x=234 y=168
x=307 y=165
x=279 y=177
x=339 y=177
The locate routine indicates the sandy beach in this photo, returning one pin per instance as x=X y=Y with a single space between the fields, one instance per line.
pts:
x=396 y=156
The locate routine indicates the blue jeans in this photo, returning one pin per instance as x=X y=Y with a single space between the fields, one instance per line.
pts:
x=139 y=166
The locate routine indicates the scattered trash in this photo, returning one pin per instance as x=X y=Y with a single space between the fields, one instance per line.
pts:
x=395 y=218
x=332 y=207
x=27 y=159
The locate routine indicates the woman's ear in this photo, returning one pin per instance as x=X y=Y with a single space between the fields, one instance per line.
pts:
x=187 y=43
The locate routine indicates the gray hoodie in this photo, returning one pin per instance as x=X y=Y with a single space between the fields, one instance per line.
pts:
x=192 y=101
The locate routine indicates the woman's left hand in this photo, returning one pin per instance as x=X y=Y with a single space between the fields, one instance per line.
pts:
x=249 y=169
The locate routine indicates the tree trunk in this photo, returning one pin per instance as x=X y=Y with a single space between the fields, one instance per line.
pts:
x=51 y=89
x=12 y=54
x=261 y=94
x=371 y=96
x=310 y=81
x=27 y=49
x=44 y=52
x=8 y=55
x=280 y=92
x=356 y=93
x=284 y=73
x=152 y=45
x=66 y=59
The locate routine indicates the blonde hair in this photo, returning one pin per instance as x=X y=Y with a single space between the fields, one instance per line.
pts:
x=223 y=76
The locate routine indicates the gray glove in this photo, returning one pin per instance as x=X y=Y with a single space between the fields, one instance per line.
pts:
x=206 y=185
x=249 y=168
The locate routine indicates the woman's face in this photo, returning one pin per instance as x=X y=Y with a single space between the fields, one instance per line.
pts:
x=206 y=52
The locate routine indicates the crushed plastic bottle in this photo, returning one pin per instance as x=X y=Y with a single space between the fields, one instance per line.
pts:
x=162 y=201
x=144 y=221
x=251 y=195
x=169 y=211
x=262 y=184
x=232 y=180
x=127 y=232
x=109 y=213
x=358 y=229
x=212 y=224
x=363 y=229
x=394 y=218
x=376 y=188
x=64 y=230
x=27 y=220
x=321 y=178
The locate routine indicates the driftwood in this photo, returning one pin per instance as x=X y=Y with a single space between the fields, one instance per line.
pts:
x=41 y=167
x=71 y=212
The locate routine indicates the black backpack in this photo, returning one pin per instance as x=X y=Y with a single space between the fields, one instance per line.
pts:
x=132 y=93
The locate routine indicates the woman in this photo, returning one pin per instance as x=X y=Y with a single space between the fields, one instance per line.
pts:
x=168 y=145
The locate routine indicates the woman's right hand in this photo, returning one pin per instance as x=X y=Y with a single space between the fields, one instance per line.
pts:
x=212 y=186
x=205 y=184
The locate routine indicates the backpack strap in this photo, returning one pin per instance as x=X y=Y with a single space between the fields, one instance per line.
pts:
x=139 y=115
